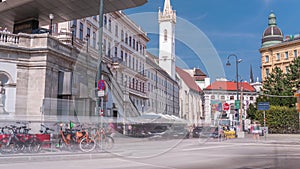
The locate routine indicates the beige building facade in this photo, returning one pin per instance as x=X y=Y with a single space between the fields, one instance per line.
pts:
x=277 y=51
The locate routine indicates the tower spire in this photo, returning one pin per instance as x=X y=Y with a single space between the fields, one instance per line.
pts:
x=168 y=14
x=251 y=74
x=167 y=7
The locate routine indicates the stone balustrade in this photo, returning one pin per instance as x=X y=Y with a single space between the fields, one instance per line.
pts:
x=6 y=37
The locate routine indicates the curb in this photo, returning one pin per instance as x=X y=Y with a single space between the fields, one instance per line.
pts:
x=17 y=158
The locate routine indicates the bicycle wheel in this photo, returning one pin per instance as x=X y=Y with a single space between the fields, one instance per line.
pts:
x=108 y=143
x=6 y=147
x=34 y=145
x=87 y=145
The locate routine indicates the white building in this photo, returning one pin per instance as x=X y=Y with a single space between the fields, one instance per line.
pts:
x=190 y=97
x=163 y=90
x=223 y=91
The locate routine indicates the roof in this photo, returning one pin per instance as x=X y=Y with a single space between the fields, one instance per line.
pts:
x=199 y=75
x=12 y=11
x=230 y=86
x=188 y=79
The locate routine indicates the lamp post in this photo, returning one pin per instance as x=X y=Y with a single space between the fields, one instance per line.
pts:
x=99 y=100
x=73 y=27
x=237 y=61
x=51 y=16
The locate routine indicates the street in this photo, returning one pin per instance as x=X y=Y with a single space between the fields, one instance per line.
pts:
x=176 y=153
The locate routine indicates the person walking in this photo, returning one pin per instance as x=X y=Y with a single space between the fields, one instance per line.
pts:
x=255 y=131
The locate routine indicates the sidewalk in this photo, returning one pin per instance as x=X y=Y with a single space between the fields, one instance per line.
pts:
x=269 y=139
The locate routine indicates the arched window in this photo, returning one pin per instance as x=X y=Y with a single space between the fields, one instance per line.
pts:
x=165 y=35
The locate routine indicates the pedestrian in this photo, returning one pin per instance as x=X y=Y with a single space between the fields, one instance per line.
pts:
x=129 y=129
x=111 y=128
x=255 y=131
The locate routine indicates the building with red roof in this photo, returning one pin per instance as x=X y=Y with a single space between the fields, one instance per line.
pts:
x=190 y=98
x=220 y=99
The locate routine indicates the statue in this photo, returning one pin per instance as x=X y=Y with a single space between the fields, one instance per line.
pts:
x=2 y=97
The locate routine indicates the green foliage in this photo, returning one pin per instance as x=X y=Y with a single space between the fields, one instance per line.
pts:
x=279 y=119
x=282 y=84
x=251 y=112
x=278 y=90
x=294 y=74
x=278 y=84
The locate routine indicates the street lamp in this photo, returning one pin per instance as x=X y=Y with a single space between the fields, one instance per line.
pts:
x=51 y=16
x=99 y=100
x=237 y=61
x=73 y=27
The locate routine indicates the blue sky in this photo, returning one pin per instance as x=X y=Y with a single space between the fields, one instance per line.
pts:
x=232 y=26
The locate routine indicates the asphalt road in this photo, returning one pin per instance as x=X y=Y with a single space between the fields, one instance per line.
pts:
x=177 y=153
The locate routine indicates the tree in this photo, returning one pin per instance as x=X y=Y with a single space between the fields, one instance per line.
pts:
x=276 y=87
x=251 y=112
x=293 y=74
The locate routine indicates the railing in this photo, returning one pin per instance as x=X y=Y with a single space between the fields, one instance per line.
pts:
x=9 y=38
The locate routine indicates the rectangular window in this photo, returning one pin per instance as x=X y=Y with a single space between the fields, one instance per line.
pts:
x=267 y=72
x=295 y=53
x=133 y=63
x=81 y=31
x=94 y=39
x=122 y=57
x=126 y=38
x=287 y=69
x=286 y=55
x=75 y=26
x=129 y=65
x=105 y=21
x=88 y=31
x=122 y=35
x=133 y=43
x=108 y=49
x=104 y=47
x=109 y=25
x=126 y=59
x=116 y=30
x=116 y=51
x=278 y=56
x=267 y=59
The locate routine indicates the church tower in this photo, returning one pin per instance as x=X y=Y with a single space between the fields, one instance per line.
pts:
x=167 y=22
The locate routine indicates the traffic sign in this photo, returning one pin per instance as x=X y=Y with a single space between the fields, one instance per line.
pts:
x=226 y=106
x=263 y=105
x=101 y=85
x=100 y=93
x=237 y=104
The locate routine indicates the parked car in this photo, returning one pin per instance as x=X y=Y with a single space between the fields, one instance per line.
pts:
x=208 y=132
x=169 y=132
x=196 y=131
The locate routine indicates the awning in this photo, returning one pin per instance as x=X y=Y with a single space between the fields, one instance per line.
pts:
x=12 y=11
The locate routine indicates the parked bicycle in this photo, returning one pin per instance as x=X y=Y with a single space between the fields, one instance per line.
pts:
x=98 y=138
x=19 y=140
x=70 y=138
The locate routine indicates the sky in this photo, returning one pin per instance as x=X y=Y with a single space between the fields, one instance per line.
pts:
x=208 y=31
